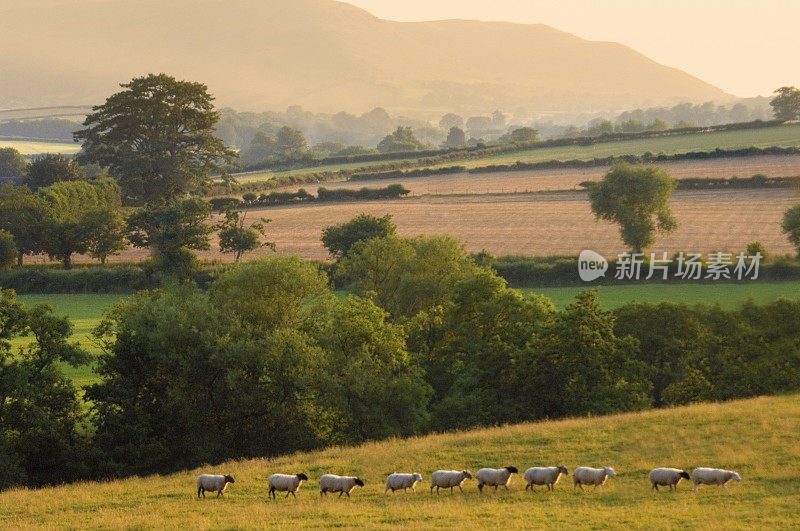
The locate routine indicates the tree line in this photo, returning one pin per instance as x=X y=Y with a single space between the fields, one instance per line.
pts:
x=268 y=360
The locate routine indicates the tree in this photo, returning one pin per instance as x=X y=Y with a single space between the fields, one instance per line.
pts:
x=52 y=168
x=107 y=232
x=171 y=232
x=523 y=135
x=657 y=125
x=290 y=142
x=455 y=138
x=401 y=140
x=786 y=105
x=157 y=138
x=498 y=120
x=25 y=215
x=12 y=163
x=600 y=127
x=451 y=120
x=8 y=250
x=791 y=226
x=636 y=198
x=72 y=224
x=41 y=418
x=339 y=239
x=479 y=123
x=235 y=238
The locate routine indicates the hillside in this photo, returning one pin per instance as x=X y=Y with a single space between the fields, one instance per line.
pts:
x=754 y=437
x=323 y=55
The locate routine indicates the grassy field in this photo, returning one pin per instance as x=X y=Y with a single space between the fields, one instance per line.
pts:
x=37 y=147
x=727 y=295
x=756 y=437
x=782 y=135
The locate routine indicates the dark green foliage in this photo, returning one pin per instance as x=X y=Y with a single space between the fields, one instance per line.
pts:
x=40 y=415
x=392 y=191
x=157 y=138
x=791 y=226
x=455 y=138
x=12 y=163
x=637 y=199
x=339 y=239
x=399 y=174
x=8 y=250
x=52 y=168
x=26 y=216
x=786 y=105
x=116 y=278
x=171 y=232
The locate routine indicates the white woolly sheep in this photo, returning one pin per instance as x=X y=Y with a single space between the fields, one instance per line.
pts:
x=341 y=484
x=667 y=476
x=713 y=476
x=449 y=479
x=212 y=483
x=585 y=475
x=397 y=481
x=544 y=475
x=288 y=483
x=494 y=477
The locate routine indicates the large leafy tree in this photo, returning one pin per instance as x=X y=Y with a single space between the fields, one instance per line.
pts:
x=172 y=231
x=236 y=238
x=636 y=198
x=157 y=138
x=786 y=103
x=402 y=139
x=339 y=239
x=791 y=226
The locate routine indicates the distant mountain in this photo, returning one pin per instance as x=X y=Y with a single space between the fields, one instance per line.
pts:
x=323 y=55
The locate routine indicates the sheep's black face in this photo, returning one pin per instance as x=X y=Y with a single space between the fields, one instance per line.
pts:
x=563 y=470
x=359 y=482
x=467 y=474
x=229 y=479
x=684 y=475
x=512 y=469
x=302 y=476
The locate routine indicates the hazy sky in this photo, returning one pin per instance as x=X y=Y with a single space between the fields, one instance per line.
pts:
x=745 y=47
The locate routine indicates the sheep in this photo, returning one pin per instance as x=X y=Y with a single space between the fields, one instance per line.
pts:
x=713 y=476
x=591 y=476
x=667 y=476
x=544 y=476
x=212 y=483
x=494 y=477
x=285 y=483
x=449 y=479
x=341 y=484
x=397 y=481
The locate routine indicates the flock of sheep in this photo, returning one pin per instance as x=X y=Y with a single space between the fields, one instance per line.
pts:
x=486 y=477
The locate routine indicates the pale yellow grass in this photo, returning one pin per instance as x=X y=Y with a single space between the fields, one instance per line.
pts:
x=757 y=438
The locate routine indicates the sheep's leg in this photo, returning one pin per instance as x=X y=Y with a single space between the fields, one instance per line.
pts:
x=654 y=487
x=287 y=494
x=725 y=485
x=695 y=487
x=506 y=486
x=459 y=488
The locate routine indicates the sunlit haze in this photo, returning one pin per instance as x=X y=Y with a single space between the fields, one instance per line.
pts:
x=742 y=46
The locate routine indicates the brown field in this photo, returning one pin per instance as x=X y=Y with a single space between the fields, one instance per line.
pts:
x=536 y=224
x=570 y=178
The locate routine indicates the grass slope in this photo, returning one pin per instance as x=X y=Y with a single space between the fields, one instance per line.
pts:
x=755 y=437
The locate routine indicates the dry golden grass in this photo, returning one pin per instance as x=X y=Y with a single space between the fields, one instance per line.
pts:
x=570 y=178
x=757 y=438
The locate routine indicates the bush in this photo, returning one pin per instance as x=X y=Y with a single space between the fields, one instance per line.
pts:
x=118 y=278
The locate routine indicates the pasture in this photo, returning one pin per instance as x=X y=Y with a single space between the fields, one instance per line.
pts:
x=755 y=437
x=38 y=147
x=781 y=135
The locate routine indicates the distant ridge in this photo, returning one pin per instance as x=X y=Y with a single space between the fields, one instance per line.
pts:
x=324 y=55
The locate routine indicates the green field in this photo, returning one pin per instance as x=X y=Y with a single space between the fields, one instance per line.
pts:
x=757 y=438
x=727 y=295
x=781 y=135
x=37 y=147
